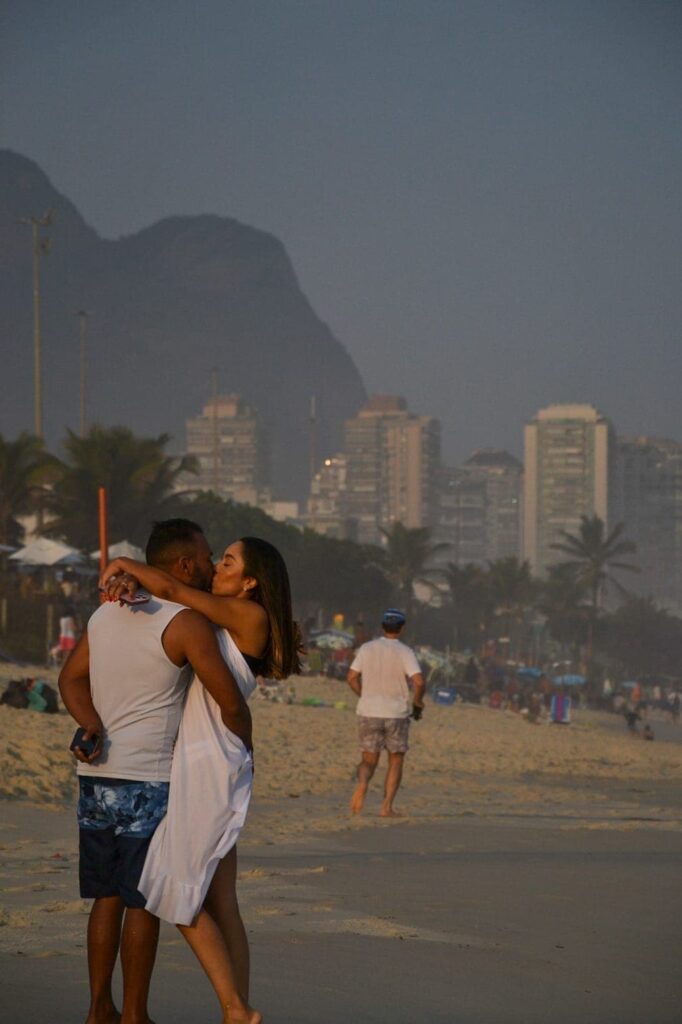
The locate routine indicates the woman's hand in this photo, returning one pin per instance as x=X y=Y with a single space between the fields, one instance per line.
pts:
x=115 y=581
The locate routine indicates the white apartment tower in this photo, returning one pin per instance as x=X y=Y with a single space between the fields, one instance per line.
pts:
x=228 y=443
x=393 y=461
x=568 y=465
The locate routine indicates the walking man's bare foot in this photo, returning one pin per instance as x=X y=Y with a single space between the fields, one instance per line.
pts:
x=388 y=812
x=358 y=798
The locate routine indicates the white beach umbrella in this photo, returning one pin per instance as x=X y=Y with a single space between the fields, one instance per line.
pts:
x=43 y=551
x=123 y=549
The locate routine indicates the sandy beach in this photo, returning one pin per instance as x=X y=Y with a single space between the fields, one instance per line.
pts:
x=533 y=876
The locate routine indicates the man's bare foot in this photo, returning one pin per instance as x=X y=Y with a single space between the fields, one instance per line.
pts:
x=358 y=798
x=252 y=1017
x=388 y=812
x=109 y=1016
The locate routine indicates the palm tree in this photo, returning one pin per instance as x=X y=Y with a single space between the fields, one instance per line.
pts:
x=562 y=600
x=594 y=556
x=138 y=476
x=513 y=590
x=405 y=558
x=25 y=468
x=472 y=602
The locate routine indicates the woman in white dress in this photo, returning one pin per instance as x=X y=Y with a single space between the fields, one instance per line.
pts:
x=189 y=877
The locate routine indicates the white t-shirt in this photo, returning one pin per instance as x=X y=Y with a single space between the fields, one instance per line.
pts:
x=385 y=665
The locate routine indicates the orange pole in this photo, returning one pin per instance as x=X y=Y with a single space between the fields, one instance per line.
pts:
x=103 y=539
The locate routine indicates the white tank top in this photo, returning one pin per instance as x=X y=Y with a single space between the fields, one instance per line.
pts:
x=137 y=690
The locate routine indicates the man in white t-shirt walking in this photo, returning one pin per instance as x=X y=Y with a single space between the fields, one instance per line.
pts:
x=381 y=674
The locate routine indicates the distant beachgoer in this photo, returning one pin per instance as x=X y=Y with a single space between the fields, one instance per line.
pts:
x=647 y=732
x=471 y=672
x=379 y=675
x=675 y=702
x=632 y=717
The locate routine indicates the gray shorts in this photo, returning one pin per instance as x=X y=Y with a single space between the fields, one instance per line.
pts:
x=377 y=734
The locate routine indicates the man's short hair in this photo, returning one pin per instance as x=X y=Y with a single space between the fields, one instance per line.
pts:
x=393 y=620
x=170 y=540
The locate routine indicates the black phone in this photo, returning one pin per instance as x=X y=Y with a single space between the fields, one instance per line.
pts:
x=87 y=746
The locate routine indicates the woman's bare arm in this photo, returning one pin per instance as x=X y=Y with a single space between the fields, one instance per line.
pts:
x=246 y=620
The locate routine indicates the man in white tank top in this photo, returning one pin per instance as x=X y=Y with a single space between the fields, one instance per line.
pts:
x=125 y=685
x=381 y=674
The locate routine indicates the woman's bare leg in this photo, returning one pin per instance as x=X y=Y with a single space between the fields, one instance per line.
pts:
x=210 y=949
x=221 y=903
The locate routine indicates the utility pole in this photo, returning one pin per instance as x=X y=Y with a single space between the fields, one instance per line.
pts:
x=82 y=317
x=312 y=419
x=216 y=437
x=41 y=246
x=313 y=437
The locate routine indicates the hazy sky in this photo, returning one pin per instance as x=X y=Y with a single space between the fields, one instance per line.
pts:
x=481 y=198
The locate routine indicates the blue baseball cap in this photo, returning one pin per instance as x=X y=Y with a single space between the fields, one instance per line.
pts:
x=393 y=618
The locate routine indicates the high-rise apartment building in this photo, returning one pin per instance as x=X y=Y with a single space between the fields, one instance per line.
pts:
x=569 y=467
x=228 y=442
x=502 y=475
x=648 y=500
x=328 y=504
x=462 y=517
x=480 y=508
x=393 y=460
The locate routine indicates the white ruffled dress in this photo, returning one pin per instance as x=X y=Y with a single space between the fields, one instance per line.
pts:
x=210 y=790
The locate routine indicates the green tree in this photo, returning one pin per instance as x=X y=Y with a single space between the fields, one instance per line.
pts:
x=472 y=603
x=25 y=468
x=594 y=555
x=137 y=474
x=514 y=593
x=405 y=559
x=328 y=574
x=562 y=599
x=642 y=638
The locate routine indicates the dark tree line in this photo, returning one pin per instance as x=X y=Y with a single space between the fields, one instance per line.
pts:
x=467 y=604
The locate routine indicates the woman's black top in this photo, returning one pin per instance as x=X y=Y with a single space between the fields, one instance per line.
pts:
x=257 y=665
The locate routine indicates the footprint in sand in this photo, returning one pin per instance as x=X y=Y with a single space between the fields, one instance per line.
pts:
x=66 y=907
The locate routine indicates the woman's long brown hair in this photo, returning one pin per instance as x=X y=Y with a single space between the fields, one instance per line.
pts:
x=263 y=561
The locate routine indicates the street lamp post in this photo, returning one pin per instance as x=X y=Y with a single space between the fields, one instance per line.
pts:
x=40 y=247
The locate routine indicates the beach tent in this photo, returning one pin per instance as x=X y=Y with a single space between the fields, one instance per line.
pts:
x=43 y=551
x=124 y=549
x=560 y=710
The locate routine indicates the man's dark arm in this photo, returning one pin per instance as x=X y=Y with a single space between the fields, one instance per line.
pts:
x=418 y=687
x=74 y=686
x=193 y=636
x=354 y=680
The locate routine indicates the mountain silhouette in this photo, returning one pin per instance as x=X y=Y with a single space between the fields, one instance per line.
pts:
x=166 y=305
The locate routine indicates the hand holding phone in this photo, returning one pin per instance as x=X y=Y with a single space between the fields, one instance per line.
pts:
x=86 y=743
x=138 y=598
